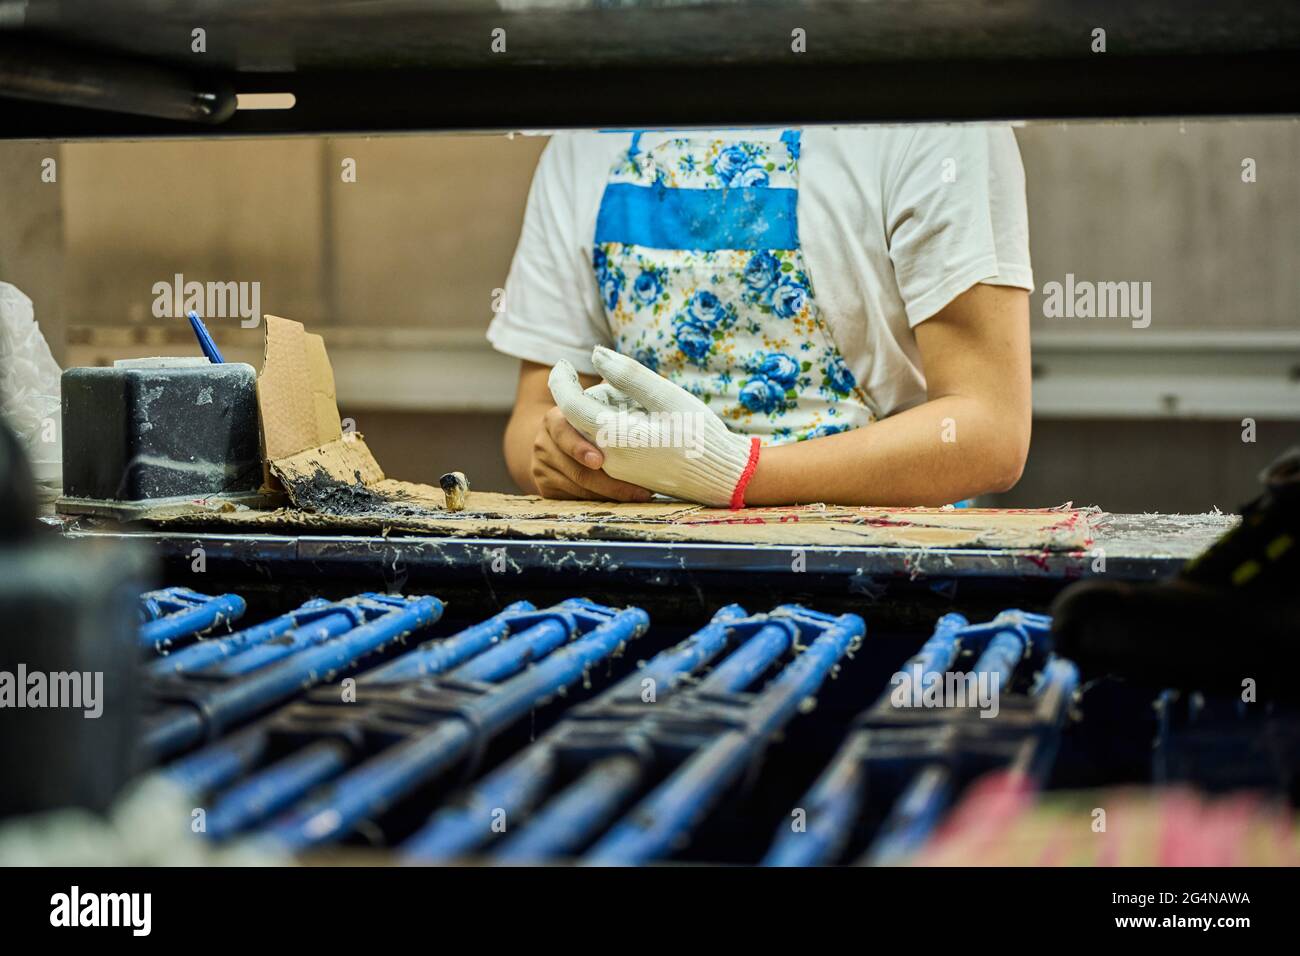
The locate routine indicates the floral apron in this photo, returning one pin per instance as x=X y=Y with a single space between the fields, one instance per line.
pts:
x=703 y=280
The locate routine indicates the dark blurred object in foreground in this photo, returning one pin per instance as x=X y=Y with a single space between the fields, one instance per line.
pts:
x=1229 y=622
x=67 y=651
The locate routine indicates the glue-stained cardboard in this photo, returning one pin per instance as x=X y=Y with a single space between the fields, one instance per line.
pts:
x=301 y=428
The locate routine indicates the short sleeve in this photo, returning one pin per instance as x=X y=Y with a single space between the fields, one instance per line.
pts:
x=956 y=216
x=552 y=305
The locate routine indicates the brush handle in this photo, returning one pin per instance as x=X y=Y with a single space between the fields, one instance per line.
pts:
x=205 y=340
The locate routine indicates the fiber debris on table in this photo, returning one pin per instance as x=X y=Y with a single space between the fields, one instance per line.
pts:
x=405 y=509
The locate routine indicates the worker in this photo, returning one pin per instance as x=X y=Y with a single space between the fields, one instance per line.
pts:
x=779 y=316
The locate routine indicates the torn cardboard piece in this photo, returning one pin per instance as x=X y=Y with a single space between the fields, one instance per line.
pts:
x=322 y=469
x=295 y=391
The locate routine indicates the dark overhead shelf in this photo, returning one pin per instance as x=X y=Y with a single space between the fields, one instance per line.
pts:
x=407 y=65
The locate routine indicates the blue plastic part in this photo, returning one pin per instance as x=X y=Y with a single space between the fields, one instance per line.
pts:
x=918 y=812
x=671 y=668
x=1002 y=654
x=177 y=614
x=657 y=824
x=218 y=764
x=208 y=346
x=315 y=630
x=379 y=782
x=920 y=808
x=914 y=817
x=311 y=773
x=150 y=607
x=177 y=729
x=441 y=655
x=835 y=801
x=465 y=826
x=1035 y=630
x=748 y=662
x=583 y=809
x=277 y=786
x=203 y=653
x=515 y=787
x=236 y=700
x=568 y=821
x=1055 y=689
x=222 y=762
x=510 y=657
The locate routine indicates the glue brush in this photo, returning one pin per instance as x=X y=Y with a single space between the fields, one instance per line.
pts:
x=205 y=340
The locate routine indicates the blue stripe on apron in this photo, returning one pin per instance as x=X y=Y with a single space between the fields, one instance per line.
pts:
x=658 y=217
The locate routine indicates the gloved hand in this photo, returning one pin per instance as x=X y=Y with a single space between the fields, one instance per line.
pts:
x=656 y=434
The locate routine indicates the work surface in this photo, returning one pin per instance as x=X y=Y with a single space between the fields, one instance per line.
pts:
x=1143 y=546
x=389 y=507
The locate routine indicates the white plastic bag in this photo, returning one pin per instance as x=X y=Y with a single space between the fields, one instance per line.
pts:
x=29 y=389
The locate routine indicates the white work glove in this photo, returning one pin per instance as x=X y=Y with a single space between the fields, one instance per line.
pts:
x=656 y=434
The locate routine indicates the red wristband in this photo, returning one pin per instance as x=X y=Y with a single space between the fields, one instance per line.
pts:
x=738 y=496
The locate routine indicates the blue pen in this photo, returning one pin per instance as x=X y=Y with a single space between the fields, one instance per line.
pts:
x=205 y=340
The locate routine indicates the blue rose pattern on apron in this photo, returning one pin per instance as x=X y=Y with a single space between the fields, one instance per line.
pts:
x=702 y=278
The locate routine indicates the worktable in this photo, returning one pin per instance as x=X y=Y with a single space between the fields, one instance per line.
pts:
x=1135 y=547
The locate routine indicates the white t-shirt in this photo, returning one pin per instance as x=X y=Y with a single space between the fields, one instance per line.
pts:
x=895 y=223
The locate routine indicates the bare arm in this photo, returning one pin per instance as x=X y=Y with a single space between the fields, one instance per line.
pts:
x=970 y=437
x=547 y=456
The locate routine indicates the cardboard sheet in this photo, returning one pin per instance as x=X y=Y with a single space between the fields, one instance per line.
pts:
x=525 y=516
x=337 y=486
x=295 y=391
